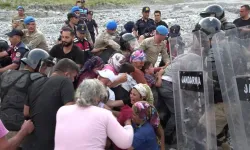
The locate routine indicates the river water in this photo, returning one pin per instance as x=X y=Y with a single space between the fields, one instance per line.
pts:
x=185 y=14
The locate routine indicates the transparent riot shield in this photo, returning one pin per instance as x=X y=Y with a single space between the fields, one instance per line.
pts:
x=176 y=47
x=232 y=59
x=193 y=95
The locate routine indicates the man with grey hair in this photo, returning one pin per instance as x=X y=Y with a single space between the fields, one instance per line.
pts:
x=45 y=97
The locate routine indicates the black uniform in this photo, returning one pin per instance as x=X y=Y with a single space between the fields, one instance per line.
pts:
x=161 y=23
x=91 y=24
x=142 y=24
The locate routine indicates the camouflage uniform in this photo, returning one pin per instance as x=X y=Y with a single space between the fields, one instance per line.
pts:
x=35 y=40
x=152 y=50
x=105 y=39
x=19 y=20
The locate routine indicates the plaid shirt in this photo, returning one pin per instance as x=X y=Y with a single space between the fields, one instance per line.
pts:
x=150 y=79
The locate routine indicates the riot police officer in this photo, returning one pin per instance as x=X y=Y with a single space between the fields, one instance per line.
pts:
x=14 y=87
x=211 y=26
x=128 y=43
x=218 y=12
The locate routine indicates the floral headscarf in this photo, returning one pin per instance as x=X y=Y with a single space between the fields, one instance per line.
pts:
x=94 y=62
x=116 y=61
x=145 y=91
x=147 y=112
x=138 y=55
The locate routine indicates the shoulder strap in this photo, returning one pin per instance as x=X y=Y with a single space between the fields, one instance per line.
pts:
x=38 y=93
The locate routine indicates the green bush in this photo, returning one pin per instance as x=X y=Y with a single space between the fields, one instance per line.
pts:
x=14 y=3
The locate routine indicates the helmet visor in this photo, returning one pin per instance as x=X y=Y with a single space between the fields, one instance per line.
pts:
x=134 y=44
x=206 y=14
x=46 y=67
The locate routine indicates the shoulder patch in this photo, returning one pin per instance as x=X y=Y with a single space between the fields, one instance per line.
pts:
x=76 y=40
x=18 y=54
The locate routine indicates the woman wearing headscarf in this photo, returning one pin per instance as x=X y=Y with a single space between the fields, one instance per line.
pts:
x=140 y=93
x=115 y=62
x=84 y=126
x=90 y=68
x=137 y=59
x=146 y=122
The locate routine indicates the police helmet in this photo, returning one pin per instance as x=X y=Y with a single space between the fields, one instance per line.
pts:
x=34 y=58
x=213 y=10
x=124 y=40
x=128 y=37
x=208 y=25
x=3 y=45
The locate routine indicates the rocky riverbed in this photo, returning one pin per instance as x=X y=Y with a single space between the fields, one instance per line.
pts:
x=185 y=14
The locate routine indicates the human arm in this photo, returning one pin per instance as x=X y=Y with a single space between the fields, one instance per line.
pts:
x=160 y=135
x=121 y=79
x=143 y=45
x=14 y=142
x=95 y=50
x=96 y=27
x=158 y=78
x=15 y=22
x=138 y=76
x=141 y=38
x=111 y=43
x=88 y=36
x=116 y=103
x=12 y=66
x=26 y=111
x=3 y=54
x=16 y=60
x=115 y=131
x=244 y=29
x=165 y=55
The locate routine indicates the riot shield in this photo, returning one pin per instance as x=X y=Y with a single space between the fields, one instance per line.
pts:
x=232 y=61
x=193 y=95
x=176 y=47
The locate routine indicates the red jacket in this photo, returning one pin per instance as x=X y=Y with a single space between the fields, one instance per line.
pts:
x=82 y=44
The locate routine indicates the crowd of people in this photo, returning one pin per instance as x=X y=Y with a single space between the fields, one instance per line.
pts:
x=93 y=90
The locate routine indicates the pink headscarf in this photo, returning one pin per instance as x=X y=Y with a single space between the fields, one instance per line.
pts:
x=138 y=55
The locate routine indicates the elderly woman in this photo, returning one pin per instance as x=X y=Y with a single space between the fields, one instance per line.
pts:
x=137 y=59
x=84 y=126
x=90 y=68
x=140 y=93
x=146 y=122
x=115 y=62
